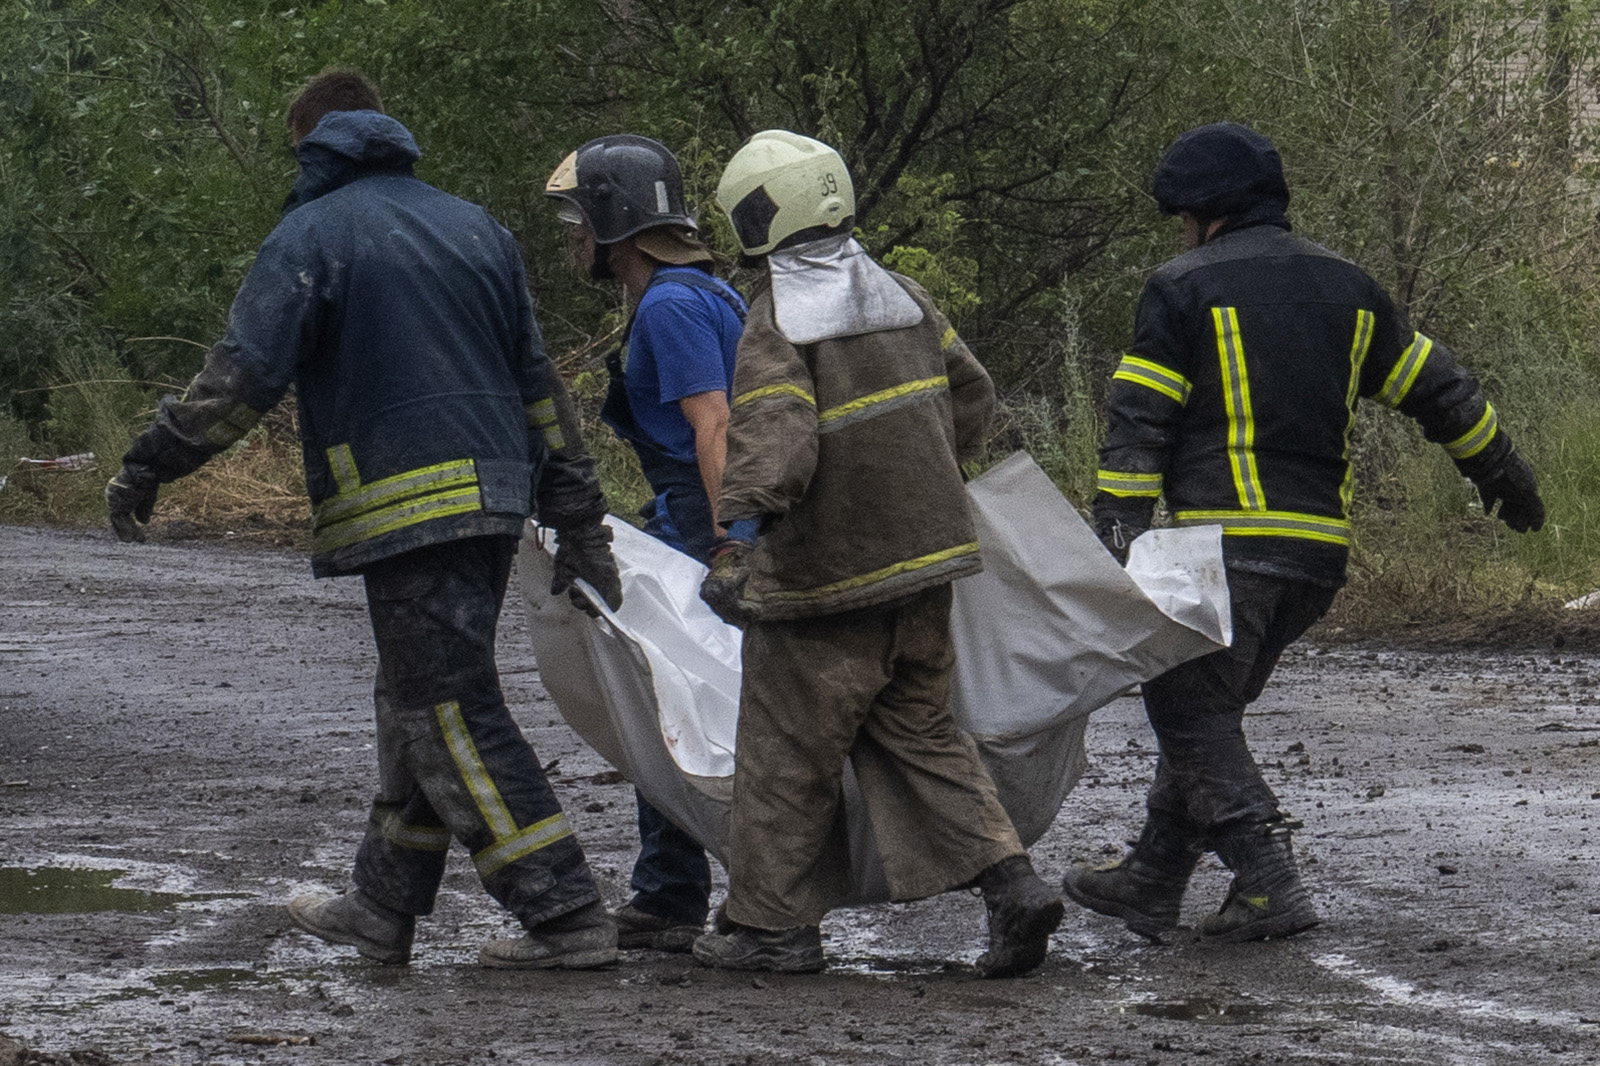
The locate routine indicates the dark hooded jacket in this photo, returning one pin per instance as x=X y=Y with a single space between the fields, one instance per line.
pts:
x=428 y=408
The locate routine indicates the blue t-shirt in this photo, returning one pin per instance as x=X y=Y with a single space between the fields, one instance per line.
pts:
x=683 y=342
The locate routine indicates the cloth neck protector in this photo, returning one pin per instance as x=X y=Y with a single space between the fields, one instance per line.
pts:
x=833 y=288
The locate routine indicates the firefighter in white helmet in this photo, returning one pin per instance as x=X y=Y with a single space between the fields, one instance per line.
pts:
x=854 y=405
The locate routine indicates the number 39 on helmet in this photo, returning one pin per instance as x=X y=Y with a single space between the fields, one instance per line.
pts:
x=782 y=189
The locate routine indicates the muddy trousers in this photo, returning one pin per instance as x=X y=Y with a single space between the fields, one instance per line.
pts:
x=452 y=763
x=871 y=686
x=1206 y=778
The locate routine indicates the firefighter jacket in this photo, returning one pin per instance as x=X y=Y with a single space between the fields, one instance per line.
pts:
x=428 y=408
x=849 y=449
x=1237 y=401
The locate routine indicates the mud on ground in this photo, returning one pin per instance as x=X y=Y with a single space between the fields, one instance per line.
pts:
x=185 y=742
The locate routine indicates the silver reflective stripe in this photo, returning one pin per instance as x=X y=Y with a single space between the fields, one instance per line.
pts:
x=1366 y=322
x=1241 y=415
x=473 y=773
x=1475 y=439
x=232 y=426
x=359 y=498
x=1398 y=384
x=879 y=403
x=1271 y=524
x=332 y=536
x=1118 y=483
x=343 y=465
x=415 y=837
x=1153 y=375
x=524 y=842
x=542 y=414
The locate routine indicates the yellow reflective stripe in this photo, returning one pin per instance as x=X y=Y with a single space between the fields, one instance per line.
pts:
x=1250 y=523
x=1475 y=439
x=1404 y=374
x=343 y=464
x=1241 y=419
x=893 y=570
x=899 y=392
x=359 y=498
x=1118 y=483
x=415 y=837
x=767 y=391
x=228 y=429
x=542 y=414
x=1153 y=376
x=948 y=339
x=523 y=842
x=473 y=773
x=326 y=538
x=1366 y=322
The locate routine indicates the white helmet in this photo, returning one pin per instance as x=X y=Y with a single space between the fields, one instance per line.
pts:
x=780 y=184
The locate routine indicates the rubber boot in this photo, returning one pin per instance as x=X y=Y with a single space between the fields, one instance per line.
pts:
x=1145 y=888
x=583 y=939
x=354 y=918
x=1266 y=898
x=1023 y=912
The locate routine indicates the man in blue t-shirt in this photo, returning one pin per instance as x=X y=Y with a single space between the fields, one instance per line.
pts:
x=671 y=380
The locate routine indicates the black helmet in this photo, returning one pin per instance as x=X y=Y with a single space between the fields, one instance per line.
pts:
x=620 y=185
x=1220 y=170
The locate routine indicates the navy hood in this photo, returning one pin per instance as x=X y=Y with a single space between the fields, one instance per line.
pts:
x=347 y=145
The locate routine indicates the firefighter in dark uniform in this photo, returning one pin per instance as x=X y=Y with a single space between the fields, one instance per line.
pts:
x=431 y=419
x=1236 y=404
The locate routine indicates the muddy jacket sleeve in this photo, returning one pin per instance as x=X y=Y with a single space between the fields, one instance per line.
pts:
x=566 y=488
x=971 y=391
x=1148 y=392
x=772 y=435
x=1422 y=379
x=278 y=309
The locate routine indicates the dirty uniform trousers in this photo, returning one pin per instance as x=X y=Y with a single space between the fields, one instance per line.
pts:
x=452 y=763
x=1205 y=775
x=871 y=686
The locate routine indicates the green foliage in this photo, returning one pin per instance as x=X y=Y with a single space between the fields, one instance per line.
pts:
x=1001 y=151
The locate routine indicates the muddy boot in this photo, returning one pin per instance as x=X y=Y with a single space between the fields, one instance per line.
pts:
x=583 y=939
x=1146 y=888
x=1023 y=912
x=1266 y=898
x=744 y=947
x=641 y=929
x=355 y=918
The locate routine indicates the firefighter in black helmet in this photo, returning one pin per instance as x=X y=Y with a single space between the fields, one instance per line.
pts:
x=622 y=199
x=1236 y=404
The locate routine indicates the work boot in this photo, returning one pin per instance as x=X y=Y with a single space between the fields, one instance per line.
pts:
x=641 y=929
x=1144 y=888
x=356 y=919
x=744 y=947
x=1266 y=898
x=584 y=939
x=1023 y=912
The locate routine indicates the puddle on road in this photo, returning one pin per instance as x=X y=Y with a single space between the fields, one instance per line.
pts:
x=1204 y=1011
x=71 y=890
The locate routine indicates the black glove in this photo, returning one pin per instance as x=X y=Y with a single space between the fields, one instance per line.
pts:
x=723 y=588
x=1116 y=534
x=585 y=552
x=1513 y=486
x=131 y=500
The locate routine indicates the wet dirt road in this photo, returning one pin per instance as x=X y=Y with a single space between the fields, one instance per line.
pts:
x=185 y=742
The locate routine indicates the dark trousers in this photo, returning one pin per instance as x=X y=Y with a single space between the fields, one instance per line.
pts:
x=1205 y=776
x=672 y=877
x=452 y=763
